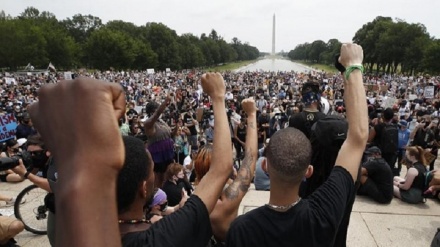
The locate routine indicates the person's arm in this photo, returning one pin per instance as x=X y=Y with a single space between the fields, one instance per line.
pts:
x=409 y=179
x=226 y=210
x=83 y=174
x=351 y=152
x=371 y=135
x=210 y=187
x=148 y=125
x=38 y=181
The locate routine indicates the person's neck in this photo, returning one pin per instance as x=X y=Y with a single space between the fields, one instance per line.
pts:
x=135 y=212
x=283 y=195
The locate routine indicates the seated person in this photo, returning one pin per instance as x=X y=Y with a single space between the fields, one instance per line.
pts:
x=159 y=206
x=261 y=180
x=175 y=182
x=376 y=177
x=410 y=188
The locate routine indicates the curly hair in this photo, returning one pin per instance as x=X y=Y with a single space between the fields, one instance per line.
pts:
x=202 y=162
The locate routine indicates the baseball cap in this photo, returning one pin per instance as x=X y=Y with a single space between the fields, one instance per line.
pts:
x=373 y=150
x=403 y=123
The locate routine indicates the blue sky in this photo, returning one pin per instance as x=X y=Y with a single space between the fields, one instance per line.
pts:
x=250 y=21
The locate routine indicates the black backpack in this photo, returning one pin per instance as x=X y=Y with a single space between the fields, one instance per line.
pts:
x=390 y=139
x=329 y=131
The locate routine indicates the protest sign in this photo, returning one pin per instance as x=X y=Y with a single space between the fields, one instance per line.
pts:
x=429 y=92
x=9 y=81
x=390 y=102
x=150 y=71
x=8 y=124
x=412 y=97
x=68 y=75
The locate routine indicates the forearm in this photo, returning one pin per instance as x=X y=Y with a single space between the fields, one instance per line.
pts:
x=236 y=191
x=221 y=151
x=91 y=202
x=40 y=182
x=356 y=104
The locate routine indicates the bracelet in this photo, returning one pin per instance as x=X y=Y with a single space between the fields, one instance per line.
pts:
x=26 y=175
x=352 y=68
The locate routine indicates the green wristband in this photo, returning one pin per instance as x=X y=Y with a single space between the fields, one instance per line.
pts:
x=351 y=69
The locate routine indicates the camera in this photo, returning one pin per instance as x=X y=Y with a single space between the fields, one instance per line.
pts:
x=7 y=163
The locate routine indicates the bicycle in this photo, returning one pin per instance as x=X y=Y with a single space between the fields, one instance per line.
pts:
x=29 y=207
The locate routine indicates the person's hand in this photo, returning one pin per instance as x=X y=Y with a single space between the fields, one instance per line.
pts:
x=60 y=118
x=184 y=198
x=20 y=169
x=248 y=106
x=214 y=85
x=351 y=54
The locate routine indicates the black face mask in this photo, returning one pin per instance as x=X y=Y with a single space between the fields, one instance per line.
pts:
x=39 y=159
x=163 y=207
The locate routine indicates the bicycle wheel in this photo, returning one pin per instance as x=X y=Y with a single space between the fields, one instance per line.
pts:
x=29 y=208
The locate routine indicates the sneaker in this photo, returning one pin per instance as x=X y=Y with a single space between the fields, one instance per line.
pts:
x=12 y=202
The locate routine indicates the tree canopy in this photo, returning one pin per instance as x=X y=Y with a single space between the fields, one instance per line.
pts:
x=85 y=41
x=389 y=45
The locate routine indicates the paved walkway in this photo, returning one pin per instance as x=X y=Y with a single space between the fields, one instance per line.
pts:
x=397 y=224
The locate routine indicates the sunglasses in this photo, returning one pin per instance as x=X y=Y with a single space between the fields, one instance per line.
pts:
x=37 y=152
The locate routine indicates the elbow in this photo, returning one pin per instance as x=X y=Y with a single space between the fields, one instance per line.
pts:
x=359 y=134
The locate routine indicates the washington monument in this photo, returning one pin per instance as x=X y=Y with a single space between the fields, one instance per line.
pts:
x=273 y=36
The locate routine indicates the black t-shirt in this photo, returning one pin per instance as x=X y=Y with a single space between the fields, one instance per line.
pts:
x=380 y=172
x=174 y=192
x=304 y=121
x=312 y=222
x=188 y=120
x=241 y=133
x=423 y=138
x=188 y=226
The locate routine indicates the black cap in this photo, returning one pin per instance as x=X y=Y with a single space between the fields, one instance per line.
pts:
x=373 y=150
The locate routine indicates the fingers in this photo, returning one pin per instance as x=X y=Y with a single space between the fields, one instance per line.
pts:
x=434 y=188
x=118 y=97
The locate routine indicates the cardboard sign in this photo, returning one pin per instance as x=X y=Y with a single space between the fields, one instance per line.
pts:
x=68 y=75
x=429 y=92
x=9 y=81
x=167 y=70
x=412 y=97
x=371 y=87
x=150 y=71
x=389 y=103
x=8 y=124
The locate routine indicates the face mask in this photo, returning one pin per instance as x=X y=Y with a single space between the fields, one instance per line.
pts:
x=39 y=159
x=163 y=207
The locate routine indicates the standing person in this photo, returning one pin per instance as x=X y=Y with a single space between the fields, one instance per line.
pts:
x=404 y=134
x=305 y=119
x=159 y=140
x=41 y=159
x=67 y=140
x=385 y=135
x=287 y=220
x=189 y=120
x=240 y=138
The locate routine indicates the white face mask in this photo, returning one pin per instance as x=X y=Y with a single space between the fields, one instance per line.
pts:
x=264 y=111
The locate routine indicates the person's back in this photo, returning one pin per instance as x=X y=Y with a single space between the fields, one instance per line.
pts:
x=287 y=220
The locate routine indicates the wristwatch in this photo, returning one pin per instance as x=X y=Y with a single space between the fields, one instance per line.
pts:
x=26 y=175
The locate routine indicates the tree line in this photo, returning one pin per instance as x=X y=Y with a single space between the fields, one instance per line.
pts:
x=389 y=46
x=84 y=41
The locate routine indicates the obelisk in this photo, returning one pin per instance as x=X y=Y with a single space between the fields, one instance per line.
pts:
x=273 y=36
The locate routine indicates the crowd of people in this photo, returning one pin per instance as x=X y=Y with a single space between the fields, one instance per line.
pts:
x=192 y=143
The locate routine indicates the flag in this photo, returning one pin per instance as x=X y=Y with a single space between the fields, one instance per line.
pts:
x=28 y=66
x=51 y=67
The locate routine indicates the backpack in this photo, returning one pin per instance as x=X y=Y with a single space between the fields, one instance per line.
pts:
x=427 y=179
x=390 y=139
x=329 y=131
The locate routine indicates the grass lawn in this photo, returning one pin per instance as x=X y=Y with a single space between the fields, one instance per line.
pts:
x=325 y=67
x=230 y=66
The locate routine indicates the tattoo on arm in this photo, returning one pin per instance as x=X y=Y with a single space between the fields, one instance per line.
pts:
x=244 y=177
x=252 y=125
